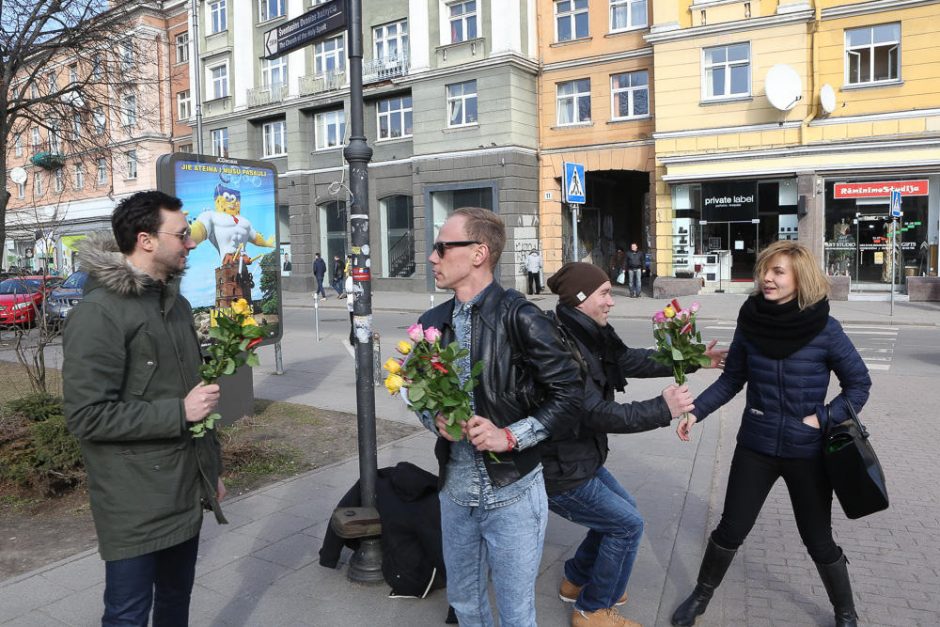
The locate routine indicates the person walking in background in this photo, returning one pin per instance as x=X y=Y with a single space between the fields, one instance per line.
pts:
x=784 y=348
x=494 y=510
x=533 y=267
x=319 y=272
x=131 y=388
x=579 y=488
x=634 y=264
x=337 y=275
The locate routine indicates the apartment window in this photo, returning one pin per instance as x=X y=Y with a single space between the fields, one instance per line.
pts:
x=131 y=156
x=21 y=190
x=330 y=128
x=34 y=138
x=55 y=139
x=219 y=79
x=394 y=117
x=182 y=48
x=274 y=72
x=58 y=180
x=270 y=9
x=127 y=54
x=102 y=166
x=463 y=21
x=129 y=110
x=33 y=90
x=50 y=82
x=873 y=54
x=73 y=73
x=574 y=102
x=462 y=104
x=37 y=184
x=219 y=142
x=727 y=71
x=627 y=14
x=274 y=135
x=96 y=66
x=99 y=120
x=78 y=176
x=391 y=40
x=183 y=105
x=329 y=56
x=630 y=95
x=185 y=148
x=18 y=145
x=571 y=19
x=217 y=19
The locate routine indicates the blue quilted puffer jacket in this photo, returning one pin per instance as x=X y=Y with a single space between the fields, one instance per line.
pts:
x=781 y=392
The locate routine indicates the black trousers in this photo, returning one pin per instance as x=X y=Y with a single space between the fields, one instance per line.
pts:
x=752 y=477
x=534 y=285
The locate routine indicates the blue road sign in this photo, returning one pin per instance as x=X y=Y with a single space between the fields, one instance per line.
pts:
x=895 y=203
x=572 y=185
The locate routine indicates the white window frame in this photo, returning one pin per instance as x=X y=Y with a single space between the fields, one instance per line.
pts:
x=96 y=70
x=727 y=65
x=630 y=91
x=219 y=138
x=628 y=4
x=271 y=68
x=101 y=164
x=131 y=156
x=570 y=15
x=264 y=9
x=574 y=100
x=34 y=90
x=76 y=125
x=55 y=139
x=404 y=111
x=100 y=120
x=183 y=105
x=21 y=190
x=850 y=50
x=126 y=52
x=217 y=16
x=274 y=138
x=465 y=19
x=182 y=47
x=329 y=126
x=73 y=73
x=51 y=82
x=129 y=110
x=58 y=181
x=381 y=40
x=35 y=137
x=78 y=180
x=18 y=145
x=219 y=83
x=37 y=184
x=463 y=97
x=321 y=56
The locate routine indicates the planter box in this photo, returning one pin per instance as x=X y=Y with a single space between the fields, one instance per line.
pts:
x=923 y=288
x=672 y=287
x=839 y=287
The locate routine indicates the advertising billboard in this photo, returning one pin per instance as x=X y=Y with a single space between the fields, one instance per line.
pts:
x=231 y=207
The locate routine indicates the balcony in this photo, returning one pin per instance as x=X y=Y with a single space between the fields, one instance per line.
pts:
x=321 y=83
x=271 y=94
x=377 y=70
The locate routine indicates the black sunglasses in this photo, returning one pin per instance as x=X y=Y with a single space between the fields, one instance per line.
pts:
x=440 y=247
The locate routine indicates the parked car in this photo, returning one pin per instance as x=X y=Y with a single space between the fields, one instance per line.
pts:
x=65 y=296
x=21 y=298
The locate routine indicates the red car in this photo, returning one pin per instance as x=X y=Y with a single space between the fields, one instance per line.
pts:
x=21 y=298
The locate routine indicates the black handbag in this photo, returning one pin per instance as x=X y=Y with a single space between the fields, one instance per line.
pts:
x=853 y=468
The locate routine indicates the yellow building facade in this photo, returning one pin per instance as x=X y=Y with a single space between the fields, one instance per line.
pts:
x=796 y=120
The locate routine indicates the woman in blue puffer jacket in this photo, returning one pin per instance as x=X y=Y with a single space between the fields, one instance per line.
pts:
x=785 y=347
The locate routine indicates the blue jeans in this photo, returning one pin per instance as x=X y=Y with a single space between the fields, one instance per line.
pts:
x=504 y=542
x=604 y=560
x=163 y=579
x=320 y=289
x=633 y=280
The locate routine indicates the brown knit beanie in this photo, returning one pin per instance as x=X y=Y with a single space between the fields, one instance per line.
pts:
x=576 y=281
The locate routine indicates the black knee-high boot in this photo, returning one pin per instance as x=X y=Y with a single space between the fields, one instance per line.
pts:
x=714 y=566
x=835 y=577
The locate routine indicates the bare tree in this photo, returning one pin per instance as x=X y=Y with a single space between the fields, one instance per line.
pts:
x=79 y=80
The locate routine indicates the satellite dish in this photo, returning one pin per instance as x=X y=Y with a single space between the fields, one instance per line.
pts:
x=783 y=87
x=18 y=175
x=827 y=98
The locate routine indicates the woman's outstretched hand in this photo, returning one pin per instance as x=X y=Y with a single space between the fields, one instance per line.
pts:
x=684 y=430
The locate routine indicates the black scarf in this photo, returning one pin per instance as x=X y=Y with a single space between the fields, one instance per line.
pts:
x=781 y=330
x=603 y=342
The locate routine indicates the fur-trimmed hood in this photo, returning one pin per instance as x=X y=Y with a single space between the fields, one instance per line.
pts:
x=99 y=256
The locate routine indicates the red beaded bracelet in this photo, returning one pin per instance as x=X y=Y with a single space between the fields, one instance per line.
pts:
x=510 y=439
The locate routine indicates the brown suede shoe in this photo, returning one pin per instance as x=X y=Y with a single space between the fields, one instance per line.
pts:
x=569 y=593
x=608 y=617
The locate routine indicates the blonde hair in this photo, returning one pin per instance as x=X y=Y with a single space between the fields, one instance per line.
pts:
x=485 y=226
x=811 y=284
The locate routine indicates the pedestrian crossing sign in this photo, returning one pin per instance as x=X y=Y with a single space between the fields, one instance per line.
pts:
x=573 y=184
x=895 y=203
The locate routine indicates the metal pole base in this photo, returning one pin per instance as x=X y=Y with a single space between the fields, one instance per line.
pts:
x=366 y=563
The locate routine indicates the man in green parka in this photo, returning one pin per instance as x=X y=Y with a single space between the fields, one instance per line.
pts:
x=132 y=389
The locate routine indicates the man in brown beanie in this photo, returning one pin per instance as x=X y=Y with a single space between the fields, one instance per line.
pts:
x=579 y=487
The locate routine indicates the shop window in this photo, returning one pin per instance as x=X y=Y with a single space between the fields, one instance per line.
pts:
x=333 y=230
x=872 y=54
x=398 y=252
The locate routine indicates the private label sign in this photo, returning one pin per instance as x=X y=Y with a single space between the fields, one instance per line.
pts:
x=321 y=21
x=881 y=189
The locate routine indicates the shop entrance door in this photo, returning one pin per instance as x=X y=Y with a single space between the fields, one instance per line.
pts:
x=741 y=239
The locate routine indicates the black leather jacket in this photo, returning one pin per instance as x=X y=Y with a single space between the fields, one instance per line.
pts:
x=497 y=395
x=570 y=458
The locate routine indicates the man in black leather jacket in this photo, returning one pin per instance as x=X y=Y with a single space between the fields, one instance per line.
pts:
x=494 y=513
x=579 y=487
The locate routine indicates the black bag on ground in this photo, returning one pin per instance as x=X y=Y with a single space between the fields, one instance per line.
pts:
x=853 y=468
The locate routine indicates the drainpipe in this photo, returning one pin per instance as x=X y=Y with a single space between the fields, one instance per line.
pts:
x=197 y=86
